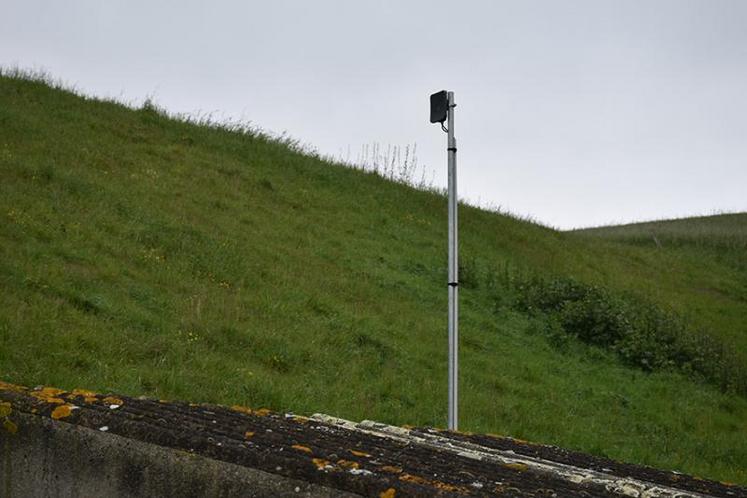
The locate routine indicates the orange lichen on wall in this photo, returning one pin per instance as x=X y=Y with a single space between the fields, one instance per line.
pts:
x=62 y=411
x=360 y=453
x=111 y=400
x=248 y=434
x=49 y=395
x=299 y=447
x=389 y=493
x=391 y=468
x=5 y=410
x=412 y=478
x=448 y=487
x=88 y=396
x=320 y=463
x=347 y=464
x=521 y=467
x=5 y=386
x=426 y=482
x=242 y=409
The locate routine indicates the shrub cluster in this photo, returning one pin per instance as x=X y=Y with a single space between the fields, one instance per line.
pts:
x=641 y=333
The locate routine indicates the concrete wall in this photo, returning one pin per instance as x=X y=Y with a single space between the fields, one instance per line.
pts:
x=47 y=458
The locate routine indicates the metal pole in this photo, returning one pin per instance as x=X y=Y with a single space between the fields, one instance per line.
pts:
x=453 y=273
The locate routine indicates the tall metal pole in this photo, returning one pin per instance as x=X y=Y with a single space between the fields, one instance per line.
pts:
x=453 y=274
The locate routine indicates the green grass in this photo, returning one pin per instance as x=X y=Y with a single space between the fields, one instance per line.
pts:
x=719 y=232
x=147 y=255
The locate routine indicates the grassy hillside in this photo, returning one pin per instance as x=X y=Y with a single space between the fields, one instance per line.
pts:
x=717 y=244
x=151 y=256
x=719 y=231
x=722 y=237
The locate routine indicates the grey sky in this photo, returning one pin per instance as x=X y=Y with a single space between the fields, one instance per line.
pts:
x=576 y=113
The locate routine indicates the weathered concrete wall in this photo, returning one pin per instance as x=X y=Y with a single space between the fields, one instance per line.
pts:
x=57 y=443
x=47 y=458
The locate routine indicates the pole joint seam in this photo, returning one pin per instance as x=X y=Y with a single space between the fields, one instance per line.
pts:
x=453 y=284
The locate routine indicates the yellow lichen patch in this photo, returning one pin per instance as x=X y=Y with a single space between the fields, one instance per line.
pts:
x=448 y=487
x=300 y=419
x=5 y=410
x=248 y=434
x=111 y=400
x=521 y=467
x=48 y=399
x=242 y=409
x=10 y=426
x=49 y=395
x=299 y=447
x=4 y=386
x=347 y=464
x=392 y=469
x=320 y=463
x=413 y=479
x=262 y=412
x=436 y=484
x=360 y=454
x=62 y=411
x=88 y=396
x=389 y=493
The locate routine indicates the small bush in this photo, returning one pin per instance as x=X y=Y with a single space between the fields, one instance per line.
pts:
x=641 y=333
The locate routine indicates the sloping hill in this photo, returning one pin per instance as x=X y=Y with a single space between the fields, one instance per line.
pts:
x=716 y=243
x=721 y=231
x=722 y=237
x=147 y=255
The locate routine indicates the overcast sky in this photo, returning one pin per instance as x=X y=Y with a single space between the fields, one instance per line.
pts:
x=576 y=113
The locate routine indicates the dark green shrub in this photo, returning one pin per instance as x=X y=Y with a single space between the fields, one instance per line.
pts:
x=641 y=333
x=596 y=318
